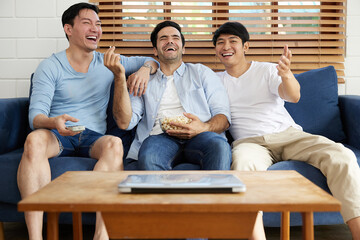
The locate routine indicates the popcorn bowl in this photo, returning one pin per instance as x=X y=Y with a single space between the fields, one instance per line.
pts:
x=165 y=122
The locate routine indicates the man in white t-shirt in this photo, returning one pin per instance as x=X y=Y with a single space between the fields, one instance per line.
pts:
x=265 y=133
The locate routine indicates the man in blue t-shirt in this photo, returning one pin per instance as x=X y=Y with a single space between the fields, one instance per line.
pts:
x=72 y=87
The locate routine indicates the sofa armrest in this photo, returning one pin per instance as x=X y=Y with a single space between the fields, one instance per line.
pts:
x=14 y=124
x=350 y=115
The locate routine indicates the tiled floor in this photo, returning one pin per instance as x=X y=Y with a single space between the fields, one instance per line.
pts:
x=17 y=231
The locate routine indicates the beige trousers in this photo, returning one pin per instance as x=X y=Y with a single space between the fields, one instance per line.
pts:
x=336 y=162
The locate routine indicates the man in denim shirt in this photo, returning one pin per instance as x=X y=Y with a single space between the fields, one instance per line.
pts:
x=177 y=88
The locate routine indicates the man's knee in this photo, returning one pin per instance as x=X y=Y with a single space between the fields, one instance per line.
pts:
x=250 y=157
x=110 y=152
x=151 y=162
x=113 y=146
x=215 y=151
x=340 y=157
x=221 y=147
x=216 y=142
x=36 y=144
x=157 y=153
x=240 y=159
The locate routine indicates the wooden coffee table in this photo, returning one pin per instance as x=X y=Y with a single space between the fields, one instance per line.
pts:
x=221 y=216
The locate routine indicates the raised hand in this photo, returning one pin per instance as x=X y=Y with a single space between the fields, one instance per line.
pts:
x=284 y=63
x=112 y=62
x=289 y=89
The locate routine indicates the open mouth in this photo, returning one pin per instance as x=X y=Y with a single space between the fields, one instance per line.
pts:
x=170 y=49
x=227 y=54
x=91 y=38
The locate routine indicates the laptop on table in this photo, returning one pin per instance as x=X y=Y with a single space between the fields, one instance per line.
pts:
x=181 y=183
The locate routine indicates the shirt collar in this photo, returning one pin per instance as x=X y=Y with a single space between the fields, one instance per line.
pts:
x=180 y=71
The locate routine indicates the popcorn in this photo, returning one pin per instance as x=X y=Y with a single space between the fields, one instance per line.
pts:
x=165 y=122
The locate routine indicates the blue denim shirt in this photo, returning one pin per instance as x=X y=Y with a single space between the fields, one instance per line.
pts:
x=200 y=91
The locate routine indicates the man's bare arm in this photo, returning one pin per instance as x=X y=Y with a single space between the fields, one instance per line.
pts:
x=58 y=123
x=121 y=106
x=289 y=89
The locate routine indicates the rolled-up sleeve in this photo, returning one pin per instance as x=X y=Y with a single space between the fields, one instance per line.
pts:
x=137 y=105
x=216 y=94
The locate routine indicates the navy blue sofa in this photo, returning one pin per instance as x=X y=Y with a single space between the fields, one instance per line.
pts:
x=320 y=111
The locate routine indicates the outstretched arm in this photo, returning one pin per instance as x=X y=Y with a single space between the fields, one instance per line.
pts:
x=122 y=106
x=289 y=89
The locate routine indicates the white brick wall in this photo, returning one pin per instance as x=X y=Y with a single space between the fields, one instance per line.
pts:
x=352 y=61
x=7 y=8
x=35 y=8
x=31 y=30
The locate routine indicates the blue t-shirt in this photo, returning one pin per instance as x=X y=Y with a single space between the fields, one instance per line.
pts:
x=58 y=89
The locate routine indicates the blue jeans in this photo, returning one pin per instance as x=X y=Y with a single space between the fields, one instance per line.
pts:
x=78 y=145
x=162 y=152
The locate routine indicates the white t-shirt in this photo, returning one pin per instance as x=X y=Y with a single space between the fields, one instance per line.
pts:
x=170 y=105
x=255 y=104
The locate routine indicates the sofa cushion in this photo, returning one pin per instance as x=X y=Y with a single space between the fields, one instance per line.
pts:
x=9 y=162
x=318 y=111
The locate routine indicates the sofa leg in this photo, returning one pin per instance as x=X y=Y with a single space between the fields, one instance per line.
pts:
x=2 y=237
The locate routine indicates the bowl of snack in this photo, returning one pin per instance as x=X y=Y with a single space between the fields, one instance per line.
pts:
x=165 y=122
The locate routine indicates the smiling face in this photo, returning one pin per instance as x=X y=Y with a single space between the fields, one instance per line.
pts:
x=169 y=47
x=86 y=30
x=230 y=50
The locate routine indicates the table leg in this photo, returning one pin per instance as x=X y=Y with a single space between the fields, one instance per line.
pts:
x=77 y=226
x=53 y=226
x=285 y=226
x=2 y=237
x=308 y=225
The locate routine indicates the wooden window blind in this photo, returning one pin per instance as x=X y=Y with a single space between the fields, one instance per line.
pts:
x=314 y=30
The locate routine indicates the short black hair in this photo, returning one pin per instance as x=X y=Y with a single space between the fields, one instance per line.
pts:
x=154 y=33
x=233 y=28
x=70 y=13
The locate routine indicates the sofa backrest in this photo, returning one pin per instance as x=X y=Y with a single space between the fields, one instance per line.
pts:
x=14 y=125
x=318 y=111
